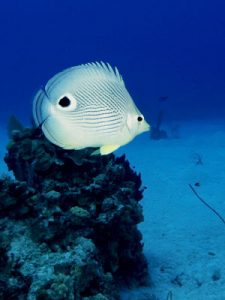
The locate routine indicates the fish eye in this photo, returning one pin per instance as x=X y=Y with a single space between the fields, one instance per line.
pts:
x=67 y=102
x=64 y=102
x=140 y=118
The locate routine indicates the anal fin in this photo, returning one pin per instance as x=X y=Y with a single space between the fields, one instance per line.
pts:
x=106 y=149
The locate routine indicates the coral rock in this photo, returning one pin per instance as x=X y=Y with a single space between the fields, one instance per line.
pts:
x=68 y=223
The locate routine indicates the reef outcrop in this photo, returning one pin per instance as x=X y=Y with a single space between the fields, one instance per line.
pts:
x=68 y=223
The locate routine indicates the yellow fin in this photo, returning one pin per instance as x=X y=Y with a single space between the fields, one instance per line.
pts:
x=106 y=149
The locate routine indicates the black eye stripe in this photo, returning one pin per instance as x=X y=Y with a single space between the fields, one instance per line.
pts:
x=64 y=102
x=140 y=119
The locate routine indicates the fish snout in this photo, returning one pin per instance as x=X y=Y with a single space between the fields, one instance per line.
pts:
x=146 y=126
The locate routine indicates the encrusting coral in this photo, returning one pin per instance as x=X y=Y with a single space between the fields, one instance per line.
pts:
x=68 y=222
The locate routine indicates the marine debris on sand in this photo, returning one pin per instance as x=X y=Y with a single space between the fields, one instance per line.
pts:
x=68 y=223
x=156 y=132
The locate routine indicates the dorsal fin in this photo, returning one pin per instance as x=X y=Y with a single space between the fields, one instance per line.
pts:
x=90 y=70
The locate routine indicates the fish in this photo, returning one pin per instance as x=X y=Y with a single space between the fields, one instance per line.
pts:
x=88 y=106
x=163 y=98
x=14 y=125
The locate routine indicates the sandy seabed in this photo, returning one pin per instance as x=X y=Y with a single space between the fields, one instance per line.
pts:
x=184 y=241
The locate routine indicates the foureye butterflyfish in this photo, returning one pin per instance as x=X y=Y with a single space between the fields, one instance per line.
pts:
x=88 y=106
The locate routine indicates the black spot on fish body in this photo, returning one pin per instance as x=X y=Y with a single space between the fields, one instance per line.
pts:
x=64 y=102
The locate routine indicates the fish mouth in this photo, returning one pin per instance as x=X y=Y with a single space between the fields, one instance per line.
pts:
x=146 y=127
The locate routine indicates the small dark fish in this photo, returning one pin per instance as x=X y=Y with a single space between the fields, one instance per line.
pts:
x=13 y=125
x=163 y=98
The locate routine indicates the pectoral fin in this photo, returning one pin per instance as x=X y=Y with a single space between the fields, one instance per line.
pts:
x=106 y=149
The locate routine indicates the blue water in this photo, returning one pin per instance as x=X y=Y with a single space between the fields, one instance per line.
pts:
x=162 y=48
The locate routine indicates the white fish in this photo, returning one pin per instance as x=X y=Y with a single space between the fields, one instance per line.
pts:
x=88 y=106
